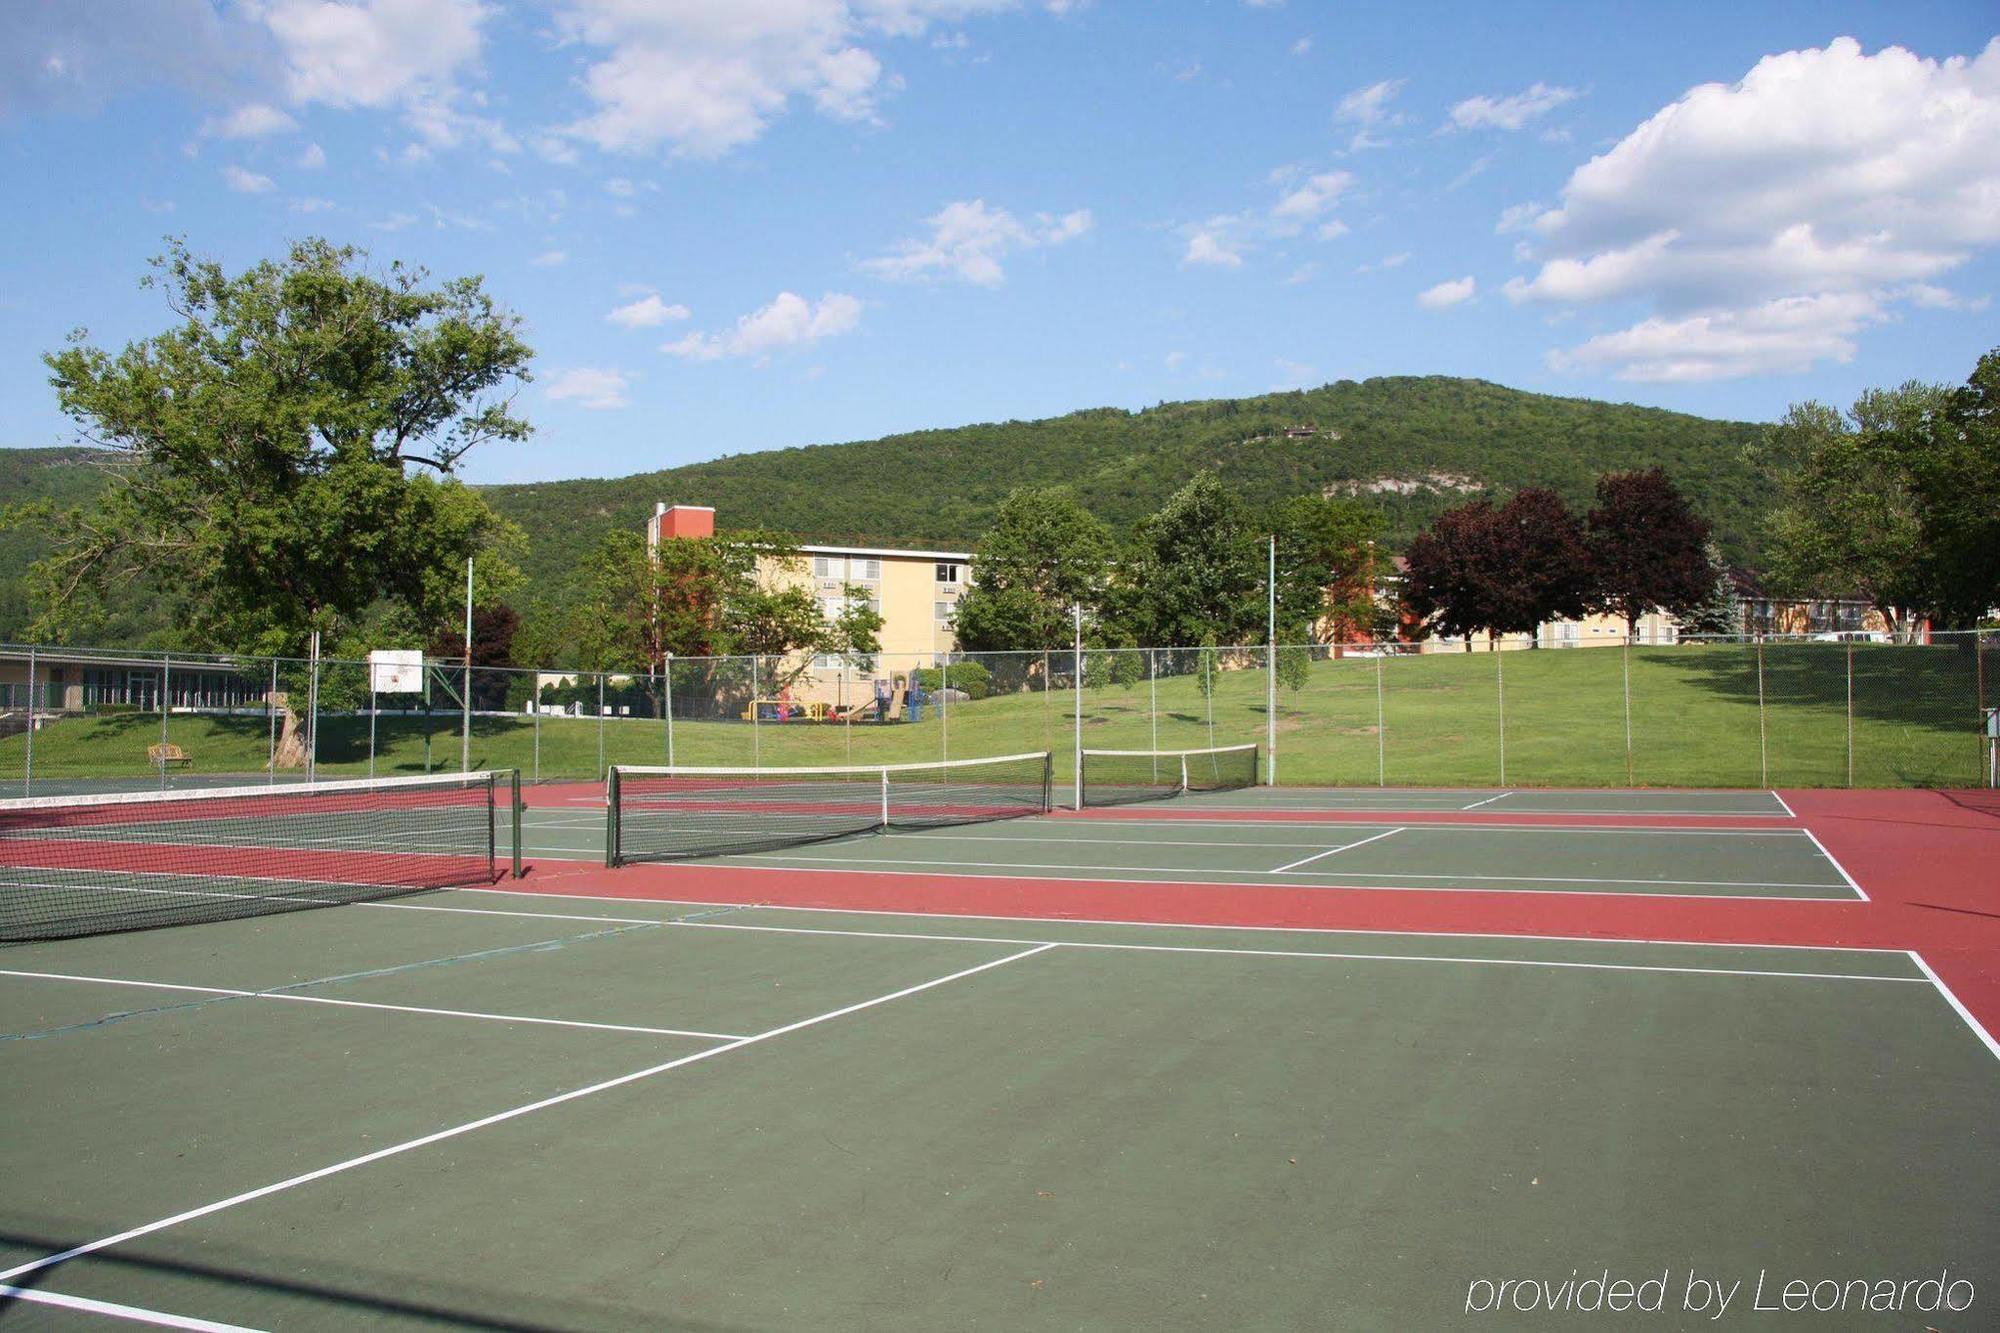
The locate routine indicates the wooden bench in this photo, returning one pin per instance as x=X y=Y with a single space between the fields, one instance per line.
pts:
x=168 y=756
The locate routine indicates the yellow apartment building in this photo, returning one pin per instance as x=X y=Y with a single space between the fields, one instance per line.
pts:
x=915 y=592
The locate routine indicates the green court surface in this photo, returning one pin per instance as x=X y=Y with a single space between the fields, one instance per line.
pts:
x=518 y=1110
x=1696 y=862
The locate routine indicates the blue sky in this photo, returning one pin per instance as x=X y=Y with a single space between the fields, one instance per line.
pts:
x=740 y=224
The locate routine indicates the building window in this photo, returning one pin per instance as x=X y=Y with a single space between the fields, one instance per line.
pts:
x=947 y=571
x=871 y=569
x=824 y=567
x=943 y=612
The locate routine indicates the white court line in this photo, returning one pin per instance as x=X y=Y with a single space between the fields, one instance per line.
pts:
x=1038 y=835
x=837 y=864
x=1783 y=803
x=1115 y=945
x=1346 y=846
x=1517 y=808
x=231 y=992
x=395 y=1149
x=1861 y=892
x=1978 y=1029
x=1095 y=921
x=1488 y=801
x=111 y=1309
x=1468 y=826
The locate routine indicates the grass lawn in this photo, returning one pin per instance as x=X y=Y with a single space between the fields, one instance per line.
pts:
x=1699 y=715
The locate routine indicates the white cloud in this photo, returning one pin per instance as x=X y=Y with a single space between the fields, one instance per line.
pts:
x=1827 y=183
x=405 y=55
x=968 y=240
x=1397 y=260
x=597 y=390
x=244 y=181
x=1175 y=360
x=1302 y=46
x=647 y=312
x=620 y=188
x=1512 y=112
x=1304 y=273
x=1368 y=109
x=313 y=158
x=701 y=77
x=1210 y=245
x=1785 y=336
x=1309 y=200
x=375 y=53
x=1446 y=294
x=309 y=205
x=254 y=121
x=788 y=321
x=1517 y=217
x=550 y=259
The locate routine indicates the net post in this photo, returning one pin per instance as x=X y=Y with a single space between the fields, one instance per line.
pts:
x=514 y=803
x=885 y=800
x=492 y=832
x=1048 y=777
x=611 y=857
x=1184 y=773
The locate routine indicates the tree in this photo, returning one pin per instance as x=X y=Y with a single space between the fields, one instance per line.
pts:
x=1325 y=570
x=1719 y=611
x=1850 y=521
x=1544 y=570
x=283 y=456
x=1648 y=548
x=1043 y=555
x=1505 y=570
x=1952 y=459
x=1451 y=579
x=1194 y=573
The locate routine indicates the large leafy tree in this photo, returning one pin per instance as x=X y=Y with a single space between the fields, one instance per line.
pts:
x=1325 y=567
x=1850 y=521
x=283 y=456
x=1543 y=562
x=1194 y=572
x=1503 y=569
x=1951 y=457
x=1648 y=548
x=1043 y=555
x=1451 y=576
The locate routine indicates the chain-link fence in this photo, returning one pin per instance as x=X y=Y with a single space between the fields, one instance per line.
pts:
x=1768 y=712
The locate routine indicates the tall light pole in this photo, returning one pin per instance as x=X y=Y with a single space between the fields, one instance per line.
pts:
x=1271 y=666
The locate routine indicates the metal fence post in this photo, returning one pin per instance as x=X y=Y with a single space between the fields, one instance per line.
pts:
x=756 y=720
x=312 y=707
x=667 y=696
x=1153 y=704
x=166 y=707
x=1076 y=764
x=1500 y=699
x=1626 y=651
x=1763 y=742
x=1850 y=714
x=600 y=726
x=271 y=727
x=1381 y=722
x=28 y=769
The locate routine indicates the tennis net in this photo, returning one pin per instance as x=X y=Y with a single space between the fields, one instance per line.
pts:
x=1120 y=777
x=664 y=814
x=85 y=865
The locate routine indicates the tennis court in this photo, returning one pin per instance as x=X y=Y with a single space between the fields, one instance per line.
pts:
x=1211 y=1060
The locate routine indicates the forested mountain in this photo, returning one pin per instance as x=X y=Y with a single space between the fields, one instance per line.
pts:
x=1409 y=445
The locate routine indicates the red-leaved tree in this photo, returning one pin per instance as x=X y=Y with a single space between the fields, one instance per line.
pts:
x=1649 y=548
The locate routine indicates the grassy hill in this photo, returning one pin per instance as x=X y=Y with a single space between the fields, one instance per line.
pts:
x=1409 y=445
